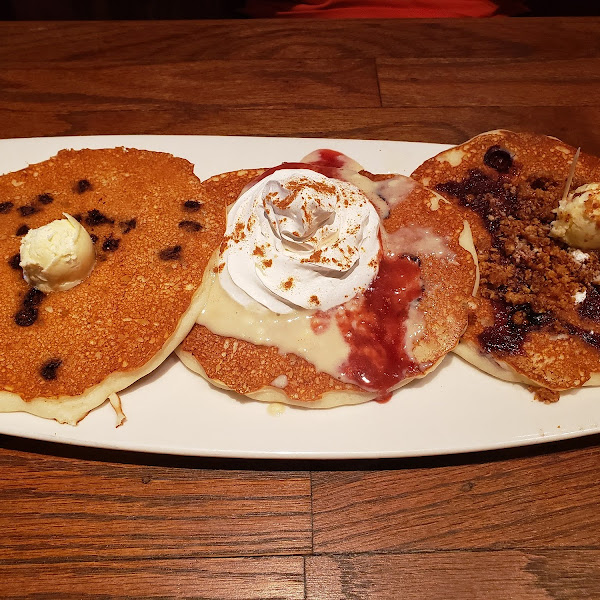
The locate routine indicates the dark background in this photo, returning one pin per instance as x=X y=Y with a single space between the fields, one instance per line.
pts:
x=215 y=9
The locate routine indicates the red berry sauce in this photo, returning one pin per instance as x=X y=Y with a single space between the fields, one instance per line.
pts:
x=375 y=327
x=327 y=162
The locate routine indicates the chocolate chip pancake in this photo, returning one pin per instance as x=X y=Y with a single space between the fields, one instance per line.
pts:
x=399 y=329
x=65 y=352
x=537 y=315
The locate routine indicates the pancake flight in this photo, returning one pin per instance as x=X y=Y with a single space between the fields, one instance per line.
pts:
x=314 y=283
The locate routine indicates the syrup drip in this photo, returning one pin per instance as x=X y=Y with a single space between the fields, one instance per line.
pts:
x=384 y=398
x=375 y=328
x=329 y=158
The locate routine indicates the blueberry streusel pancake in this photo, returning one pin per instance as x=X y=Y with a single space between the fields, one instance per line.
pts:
x=537 y=234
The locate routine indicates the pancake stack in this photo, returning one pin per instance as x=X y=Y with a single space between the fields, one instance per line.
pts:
x=153 y=232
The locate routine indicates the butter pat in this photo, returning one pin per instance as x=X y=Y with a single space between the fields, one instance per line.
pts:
x=578 y=218
x=57 y=256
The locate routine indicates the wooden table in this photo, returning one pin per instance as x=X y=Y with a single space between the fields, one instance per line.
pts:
x=82 y=523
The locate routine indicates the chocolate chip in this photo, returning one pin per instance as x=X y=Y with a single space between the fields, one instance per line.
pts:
x=498 y=158
x=95 y=217
x=27 y=210
x=171 y=253
x=78 y=217
x=14 y=261
x=26 y=316
x=45 y=198
x=22 y=230
x=5 y=207
x=49 y=368
x=127 y=226
x=33 y=297
x=190 y=225
x=192 y=205
x=83 y=185
x=93 y=237
x=111 y=244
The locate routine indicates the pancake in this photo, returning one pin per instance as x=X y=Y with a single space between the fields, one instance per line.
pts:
x=224 y=348
x=529 y=324
x=154 y=234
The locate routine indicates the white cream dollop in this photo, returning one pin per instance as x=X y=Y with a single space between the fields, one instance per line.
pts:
x=299 y=239
x=578 y=218
x=57 y=256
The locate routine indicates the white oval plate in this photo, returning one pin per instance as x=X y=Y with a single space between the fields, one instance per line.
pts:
x=174 y=411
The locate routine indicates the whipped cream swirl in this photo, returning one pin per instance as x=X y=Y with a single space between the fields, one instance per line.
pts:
x=298 y=239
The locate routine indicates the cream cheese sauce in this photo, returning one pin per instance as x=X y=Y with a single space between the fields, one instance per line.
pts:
x=416 y=241
x=292 y=332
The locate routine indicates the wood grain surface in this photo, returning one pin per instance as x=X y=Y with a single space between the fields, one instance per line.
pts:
x=544 y=501
x=141 y=511
x=521 y=575
x=80 y=523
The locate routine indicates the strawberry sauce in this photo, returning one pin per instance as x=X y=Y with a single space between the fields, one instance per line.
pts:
x=326 y=162
x=375 y=327
x=329 y=158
